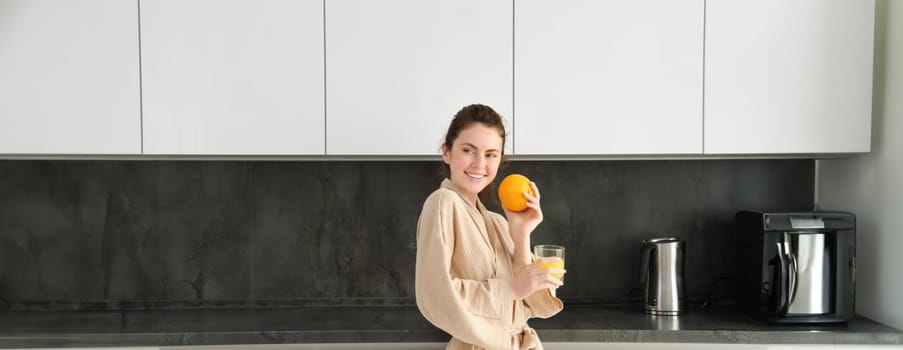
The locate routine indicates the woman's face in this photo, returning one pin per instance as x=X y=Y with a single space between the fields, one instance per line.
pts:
x=474 y=158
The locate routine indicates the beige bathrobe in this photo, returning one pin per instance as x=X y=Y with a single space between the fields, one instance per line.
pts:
x=465 y=261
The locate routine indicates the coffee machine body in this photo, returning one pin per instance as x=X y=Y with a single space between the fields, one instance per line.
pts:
x=796 y=267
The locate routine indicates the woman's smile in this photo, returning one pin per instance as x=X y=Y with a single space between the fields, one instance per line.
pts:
x=475 y=176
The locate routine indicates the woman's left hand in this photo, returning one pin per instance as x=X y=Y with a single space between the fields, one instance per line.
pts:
x=521 y=223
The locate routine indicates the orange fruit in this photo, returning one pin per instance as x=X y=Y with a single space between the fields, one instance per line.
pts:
x=511 y=192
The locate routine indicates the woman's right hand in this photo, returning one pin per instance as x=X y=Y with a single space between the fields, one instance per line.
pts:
x=532 y=278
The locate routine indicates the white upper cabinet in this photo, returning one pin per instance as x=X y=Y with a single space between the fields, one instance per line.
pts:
x=69 y=78
x=788 y=76
x=608 y=77
x=398 y=70
x=238 y=77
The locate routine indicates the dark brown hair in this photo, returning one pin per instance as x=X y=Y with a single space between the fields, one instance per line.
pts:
x=475 y=113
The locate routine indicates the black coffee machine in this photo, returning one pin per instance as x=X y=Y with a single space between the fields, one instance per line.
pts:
x=796 y=267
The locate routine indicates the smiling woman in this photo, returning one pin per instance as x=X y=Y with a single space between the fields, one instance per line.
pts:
x=475 y=278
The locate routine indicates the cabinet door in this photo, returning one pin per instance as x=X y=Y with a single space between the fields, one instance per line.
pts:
x=69 y=78
x=608 y=77
x=233 y=77
x=788 y=76
x=398 y=70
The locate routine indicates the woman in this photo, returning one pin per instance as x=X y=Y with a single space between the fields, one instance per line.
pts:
x=475 y=278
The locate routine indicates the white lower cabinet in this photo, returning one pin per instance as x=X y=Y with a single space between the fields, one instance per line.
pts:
x=549 y=346
x=238 y=77
x=546 y=345
x=69 y=77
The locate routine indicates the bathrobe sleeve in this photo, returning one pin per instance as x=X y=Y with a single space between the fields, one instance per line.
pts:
x=476 y=312
x=542 y=304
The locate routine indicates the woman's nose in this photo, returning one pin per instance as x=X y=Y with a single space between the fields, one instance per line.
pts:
x=480 y=160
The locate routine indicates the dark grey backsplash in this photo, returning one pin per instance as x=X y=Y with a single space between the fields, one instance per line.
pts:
x=135 y=234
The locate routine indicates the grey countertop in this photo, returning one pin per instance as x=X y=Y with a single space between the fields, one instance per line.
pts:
x=332 y=324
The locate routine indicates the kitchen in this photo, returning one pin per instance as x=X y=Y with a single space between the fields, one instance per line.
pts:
x=209 y=173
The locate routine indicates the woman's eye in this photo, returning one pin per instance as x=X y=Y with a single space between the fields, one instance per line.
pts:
x=468 y=150
x=492 y=155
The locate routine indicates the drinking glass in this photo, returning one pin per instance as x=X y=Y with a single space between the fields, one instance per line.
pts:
x=546 y=250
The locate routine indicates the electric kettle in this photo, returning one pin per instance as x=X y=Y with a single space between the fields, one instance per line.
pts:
x=662 y=273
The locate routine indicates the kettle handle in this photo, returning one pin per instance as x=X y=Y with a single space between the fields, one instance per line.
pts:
x=645 y=254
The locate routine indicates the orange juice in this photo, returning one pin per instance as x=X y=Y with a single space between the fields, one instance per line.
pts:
x=547 y=250
x=558 y=264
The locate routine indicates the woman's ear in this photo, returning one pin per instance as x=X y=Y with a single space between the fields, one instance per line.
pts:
x=446 y=156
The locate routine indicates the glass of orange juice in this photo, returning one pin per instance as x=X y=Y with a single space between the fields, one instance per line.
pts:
x=546 y=250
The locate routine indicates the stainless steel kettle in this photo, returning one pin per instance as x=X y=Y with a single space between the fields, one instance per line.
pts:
x=662 y=272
